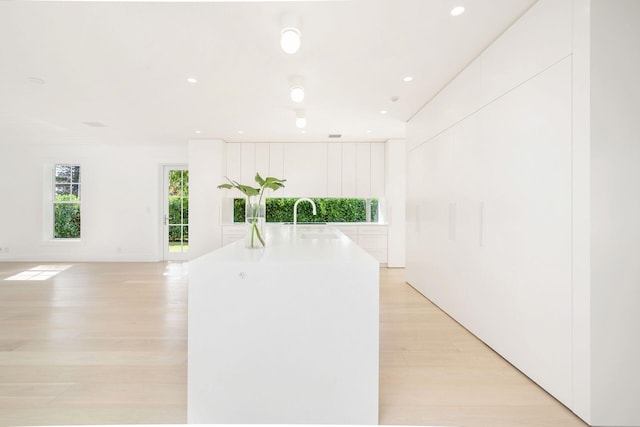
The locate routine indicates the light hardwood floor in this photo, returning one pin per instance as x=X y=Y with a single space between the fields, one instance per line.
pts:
x=106 y=343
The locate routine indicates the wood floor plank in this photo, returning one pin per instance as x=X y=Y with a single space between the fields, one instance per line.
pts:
x=106 y=343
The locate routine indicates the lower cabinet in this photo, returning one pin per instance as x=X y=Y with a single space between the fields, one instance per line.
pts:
x=371 y=237
x=231 y=233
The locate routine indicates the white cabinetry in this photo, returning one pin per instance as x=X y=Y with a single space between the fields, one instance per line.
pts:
x=312 y=169
x=305 y=169
x=370 y=237
x=348 y=170
x=232 y=233
x=490 y=220
x=334 y=170
x=378 y=170
x=363 y=170
x=248 y=165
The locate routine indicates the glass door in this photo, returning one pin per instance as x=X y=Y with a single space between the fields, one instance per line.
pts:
x=176 y=213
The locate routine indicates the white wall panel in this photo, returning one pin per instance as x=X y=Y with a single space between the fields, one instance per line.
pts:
x=395 y=190
x=363 y=170
x=262 y=160
x=233 y=163
x=528 y=49
x=305 y=168
x=334 y=170
x=276 y=160
x=615 y=212
x=378 y=170
x=489 y=197
x=348 y=170
x=248 y=163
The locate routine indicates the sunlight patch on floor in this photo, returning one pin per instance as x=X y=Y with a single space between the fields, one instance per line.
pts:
x=40 y=272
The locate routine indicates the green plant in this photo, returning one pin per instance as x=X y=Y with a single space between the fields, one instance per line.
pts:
x=252 y=208
x=66 y=217
x=328 y=210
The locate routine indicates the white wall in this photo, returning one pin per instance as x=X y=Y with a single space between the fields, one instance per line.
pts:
x=121 y=201
x=206 y=171
x=615 y=211
x=396 y=201
x=523 y=209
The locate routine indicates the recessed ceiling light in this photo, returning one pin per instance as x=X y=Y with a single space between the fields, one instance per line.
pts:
x=240 y=131
x=301 y=119
x=383 y=111
x=408 y=79
x=457 y=11
x=197 y=131
x=36 y=80
x=192 y=80
x=303 y=131
x=95 y=124
x=369 y=131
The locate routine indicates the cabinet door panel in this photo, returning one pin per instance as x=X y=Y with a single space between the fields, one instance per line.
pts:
x=349 y=170
x=363 y=170
x=305 y=168
x=248 y=167
x=233 y=161
x=262 y=160
x=378 y=169
x=276 y=167
x=334 y=170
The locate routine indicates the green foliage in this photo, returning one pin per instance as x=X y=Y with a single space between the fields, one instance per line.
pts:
x=328 y=210
x=179 y=183
x=178 y=218
x=269 y=182
x=66 y=218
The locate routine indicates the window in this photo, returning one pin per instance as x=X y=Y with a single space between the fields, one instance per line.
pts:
x=66 y=202
x=328 y=210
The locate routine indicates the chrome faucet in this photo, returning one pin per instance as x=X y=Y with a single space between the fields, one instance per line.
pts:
x=295 y=208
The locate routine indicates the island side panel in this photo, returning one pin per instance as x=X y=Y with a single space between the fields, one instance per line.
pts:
x=279 y=343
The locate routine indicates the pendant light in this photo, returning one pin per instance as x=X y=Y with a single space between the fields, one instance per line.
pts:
x=290 y=35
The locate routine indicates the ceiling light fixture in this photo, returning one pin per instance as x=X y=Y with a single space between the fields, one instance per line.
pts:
x=408 y=79
x=197 y=131
x=240 y=132
x=383 y=111
x=297 y=91
x=457 y=11
x=290 y=35
x=301 y=120
x=192 y=80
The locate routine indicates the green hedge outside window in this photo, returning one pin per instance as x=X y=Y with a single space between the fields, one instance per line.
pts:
x=328 y=210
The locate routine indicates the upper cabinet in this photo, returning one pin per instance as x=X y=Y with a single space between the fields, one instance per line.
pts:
x=305 y=169
x=312 y=169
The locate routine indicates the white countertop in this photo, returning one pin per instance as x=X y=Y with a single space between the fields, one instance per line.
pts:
x=300 y=243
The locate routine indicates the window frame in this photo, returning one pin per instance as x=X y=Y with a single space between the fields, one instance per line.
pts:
x=54 y=201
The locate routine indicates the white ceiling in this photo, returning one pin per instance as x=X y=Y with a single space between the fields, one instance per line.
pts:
x=125 y=65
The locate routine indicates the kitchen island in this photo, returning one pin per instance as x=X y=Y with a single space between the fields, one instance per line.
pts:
x=287 y=334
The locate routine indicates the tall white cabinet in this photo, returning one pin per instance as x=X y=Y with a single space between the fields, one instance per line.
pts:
x=523 y=210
